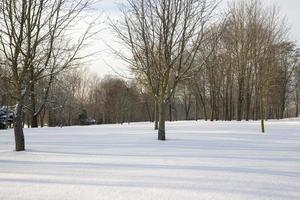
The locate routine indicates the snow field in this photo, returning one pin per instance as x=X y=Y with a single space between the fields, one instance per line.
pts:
x=200 y=160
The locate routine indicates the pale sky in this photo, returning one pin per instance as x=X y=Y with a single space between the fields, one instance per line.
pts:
x=106 y=63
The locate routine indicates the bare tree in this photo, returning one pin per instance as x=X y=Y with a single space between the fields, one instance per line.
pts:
x=33 y=38
x=164 y=38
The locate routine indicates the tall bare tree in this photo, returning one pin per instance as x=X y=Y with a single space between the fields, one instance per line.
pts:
x=33 y=37
x=164 y=38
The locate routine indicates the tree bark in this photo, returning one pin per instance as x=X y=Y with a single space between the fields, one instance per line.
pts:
x=239 y=108
x=196 y=108
x=262 y=124
x=34 y=121
x=162 y=120
x=156 y=115
x=248 y=104
x=18 y=128
x=170 y=111
x=34 y=117
x=261 y=111
x=297 y=105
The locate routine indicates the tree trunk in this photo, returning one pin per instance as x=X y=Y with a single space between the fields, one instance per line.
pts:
x=240 y=101
x=34 y=121
x=42 y=117
x=297 y=105
x=42 y=121
x=262 y=117
x=156 y=115
x=203 y=102
x=226 y=113
x=248 y=104
x=51 y=119
x=262 y=124
x=196 y=107
x=212 y=104
x=18 y=128
x=282 y=108
x=170 y=111
x=149 y=112
x=239 y=109
x=162 y=120
x=34 y=117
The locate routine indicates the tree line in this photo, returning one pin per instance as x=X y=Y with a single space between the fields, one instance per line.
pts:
x=241 y=65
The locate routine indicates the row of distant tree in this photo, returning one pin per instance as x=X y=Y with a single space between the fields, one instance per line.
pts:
x=80 y=98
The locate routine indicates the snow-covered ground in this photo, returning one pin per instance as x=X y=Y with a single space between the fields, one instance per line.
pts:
x=200 y=160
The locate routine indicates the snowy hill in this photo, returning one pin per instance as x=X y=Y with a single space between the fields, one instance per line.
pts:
x=200 y=160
